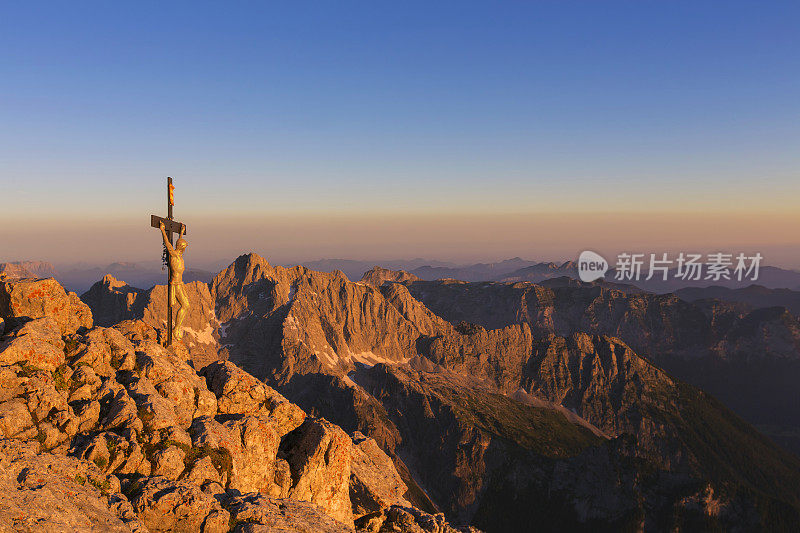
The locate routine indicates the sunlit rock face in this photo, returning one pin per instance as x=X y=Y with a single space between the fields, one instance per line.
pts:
x=143 y=313
x=505 y=406
x=31 y=298
x=105 y=429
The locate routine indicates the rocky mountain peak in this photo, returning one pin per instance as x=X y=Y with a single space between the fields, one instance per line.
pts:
x=468 y=386
x=107 y=430
x=27 y=269
x=377 y=276
x=111 y=282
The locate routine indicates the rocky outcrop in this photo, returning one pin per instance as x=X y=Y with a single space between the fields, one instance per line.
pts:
x=490 y=416
x=164 y=505
x=32 y=298
x=747 y=358
x=256 y=513
x=377 y=276
x=280 y=322
x=318 y=454
x=27 y=269
x=114 y=302
x=374 y=482
x=51 y=492
x=37 y=343
x=118 y=433
x=239 y=393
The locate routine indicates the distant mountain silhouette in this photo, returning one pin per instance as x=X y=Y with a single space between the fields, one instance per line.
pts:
x=756 y=296
x=28 y=269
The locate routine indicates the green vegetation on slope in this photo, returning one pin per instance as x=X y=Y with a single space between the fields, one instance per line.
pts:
x=546 y=432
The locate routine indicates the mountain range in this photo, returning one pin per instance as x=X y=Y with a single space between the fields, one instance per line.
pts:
x=80 y=277
x=504 y=405
x=103 y=429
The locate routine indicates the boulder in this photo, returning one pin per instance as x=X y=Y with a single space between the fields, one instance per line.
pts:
x=178 y=507
x=48 y=492
x=169 y=463
x=375 y=483
x=37 y=344
x=318 y=454
x=37 y=298
x=203 y=471
x=106 y=350
x=40 y=391
x=15 y=419
x=112 y=453
x=238 y=392
x=177 y=382
x=154 y=411
x=247 y=447
x=259 y=513
x=122 y=412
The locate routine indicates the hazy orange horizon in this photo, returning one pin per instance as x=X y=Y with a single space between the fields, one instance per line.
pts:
x=461 y=238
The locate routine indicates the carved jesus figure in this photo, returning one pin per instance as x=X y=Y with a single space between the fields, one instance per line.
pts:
x=176 y=268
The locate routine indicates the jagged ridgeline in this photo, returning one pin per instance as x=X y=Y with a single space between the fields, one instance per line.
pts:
x=304 y=397
x=104 y=430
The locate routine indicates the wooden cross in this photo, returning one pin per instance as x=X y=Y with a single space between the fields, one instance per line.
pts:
x=170 y=226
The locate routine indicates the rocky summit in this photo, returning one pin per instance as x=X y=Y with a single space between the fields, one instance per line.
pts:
x=103 y=429
x=303 y=401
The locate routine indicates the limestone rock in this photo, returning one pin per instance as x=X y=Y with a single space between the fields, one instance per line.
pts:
x=165 y=505
x=377 y=276
x=319 y=454
x=169 y=463
x=32 y=298
x=177 y=382
x=137 y=330
x=122 y=412
x=240 y=393
x=258 y=513
x=245 y=449
x=154 y=411
x=14 y=418
x=202 y=471
x=37 y=344
x=375 y=483
x=47 y=492
x=106 y=351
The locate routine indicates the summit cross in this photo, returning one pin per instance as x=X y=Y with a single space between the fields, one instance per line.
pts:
x=173 y=257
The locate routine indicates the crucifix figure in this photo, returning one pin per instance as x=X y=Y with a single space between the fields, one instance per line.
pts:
x=175 y=264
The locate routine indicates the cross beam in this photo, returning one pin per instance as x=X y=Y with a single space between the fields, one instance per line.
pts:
x=171 y=226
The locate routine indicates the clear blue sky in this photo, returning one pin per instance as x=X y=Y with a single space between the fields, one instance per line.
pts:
x=408 y=107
